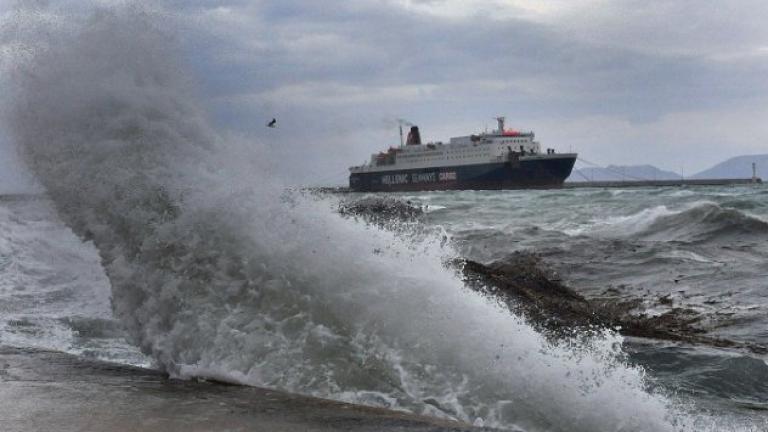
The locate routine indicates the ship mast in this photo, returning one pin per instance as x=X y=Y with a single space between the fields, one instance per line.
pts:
x=400 y=123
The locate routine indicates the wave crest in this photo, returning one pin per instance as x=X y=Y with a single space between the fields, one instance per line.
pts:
x=705 y=221
x=698 y=222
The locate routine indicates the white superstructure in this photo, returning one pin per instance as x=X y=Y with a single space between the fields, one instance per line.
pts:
x=496 y=146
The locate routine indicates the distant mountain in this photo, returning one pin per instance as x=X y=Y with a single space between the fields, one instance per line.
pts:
x=737 y=167
x=618 y=172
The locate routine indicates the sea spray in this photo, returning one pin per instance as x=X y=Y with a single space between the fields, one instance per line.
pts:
x=215 y=270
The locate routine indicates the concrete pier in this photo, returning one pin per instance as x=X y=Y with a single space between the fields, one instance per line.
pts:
x=51 y=391
x=662 y=183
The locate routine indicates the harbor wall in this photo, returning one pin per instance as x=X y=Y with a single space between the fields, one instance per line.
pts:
x=662 y=183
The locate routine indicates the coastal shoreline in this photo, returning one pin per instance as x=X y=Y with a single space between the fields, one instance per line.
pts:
x=47 y=390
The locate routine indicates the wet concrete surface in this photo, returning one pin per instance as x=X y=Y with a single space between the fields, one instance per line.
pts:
x=51 y=391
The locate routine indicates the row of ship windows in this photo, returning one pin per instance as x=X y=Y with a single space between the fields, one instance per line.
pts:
x=471 y=154
x=452 y=157
x=465 y=152
x=461 y=154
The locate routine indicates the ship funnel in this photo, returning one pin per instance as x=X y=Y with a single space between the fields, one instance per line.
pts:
x=414 y=138
x=500 y=120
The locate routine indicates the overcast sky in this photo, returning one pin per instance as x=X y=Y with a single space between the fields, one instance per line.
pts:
x=676 y=84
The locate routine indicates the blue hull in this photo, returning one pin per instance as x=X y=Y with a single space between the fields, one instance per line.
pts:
x=524 y=174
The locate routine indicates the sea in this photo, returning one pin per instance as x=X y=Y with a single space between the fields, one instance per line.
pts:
x=698 y=248
x=165 y=242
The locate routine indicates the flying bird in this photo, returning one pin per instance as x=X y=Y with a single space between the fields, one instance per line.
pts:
x=273 y=123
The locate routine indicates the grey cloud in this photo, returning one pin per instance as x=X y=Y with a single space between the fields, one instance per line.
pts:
x=377 y=45
x=334 y=67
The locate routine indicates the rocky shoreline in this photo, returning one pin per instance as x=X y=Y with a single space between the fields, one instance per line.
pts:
x=524 y=286
x=522 y=281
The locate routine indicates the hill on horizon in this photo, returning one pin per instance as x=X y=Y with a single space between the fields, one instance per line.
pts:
x=737 y=167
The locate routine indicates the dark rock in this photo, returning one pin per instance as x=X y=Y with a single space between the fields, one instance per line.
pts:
x=522 y=283
x=381 y=210
x=559 y=311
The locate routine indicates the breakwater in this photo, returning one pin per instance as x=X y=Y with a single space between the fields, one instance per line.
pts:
x=663 y=183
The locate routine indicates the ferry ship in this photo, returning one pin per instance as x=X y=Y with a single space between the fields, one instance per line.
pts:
x=502 y=159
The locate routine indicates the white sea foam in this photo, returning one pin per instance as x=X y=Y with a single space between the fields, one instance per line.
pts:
x=53 y=292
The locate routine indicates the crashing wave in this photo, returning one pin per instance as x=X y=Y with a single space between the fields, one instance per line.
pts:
x=215 y=272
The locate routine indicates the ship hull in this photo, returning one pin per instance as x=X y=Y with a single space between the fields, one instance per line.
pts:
x=538 y=173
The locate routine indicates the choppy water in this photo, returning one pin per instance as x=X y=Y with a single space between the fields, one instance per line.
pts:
x=703 y=248
x=53 y=291
x=170 y=238
x=56 y=295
